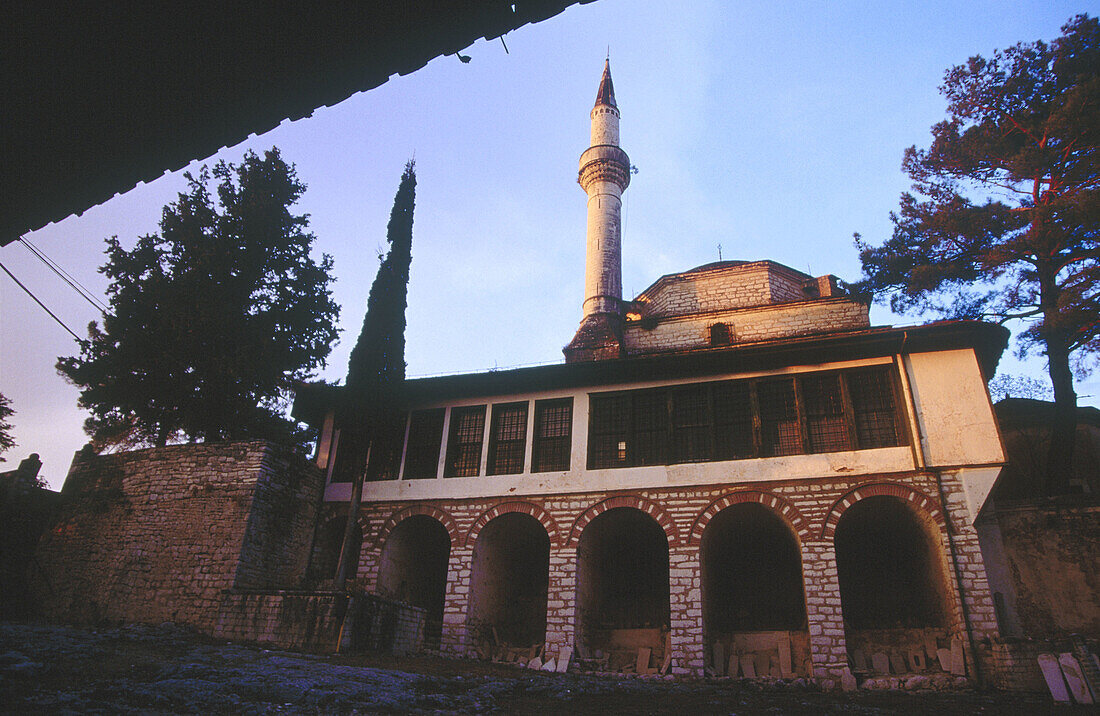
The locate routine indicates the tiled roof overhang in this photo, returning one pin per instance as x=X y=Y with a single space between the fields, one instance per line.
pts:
x=987 y=340
x=98 y=97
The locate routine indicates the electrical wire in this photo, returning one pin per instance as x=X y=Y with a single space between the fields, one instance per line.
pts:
x=54 y=317
x=64 y=275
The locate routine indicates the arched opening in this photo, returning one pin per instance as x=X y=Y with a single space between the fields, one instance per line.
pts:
x=413 y=569
x=753 y=599
x=893 y=584
x=326 y=551
x=622 y=588
x=508 y=584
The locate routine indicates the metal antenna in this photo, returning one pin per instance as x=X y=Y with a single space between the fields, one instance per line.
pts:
x=719 y=252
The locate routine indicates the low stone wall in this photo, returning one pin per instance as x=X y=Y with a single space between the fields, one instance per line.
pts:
x=386 y=626
x=161 y=534
x=288 y=620
x=310 y=621
x=1016 y=664
x=1044 y=559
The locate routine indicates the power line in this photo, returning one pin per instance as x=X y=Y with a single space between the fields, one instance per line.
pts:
x=54 y=317
x=64 y=275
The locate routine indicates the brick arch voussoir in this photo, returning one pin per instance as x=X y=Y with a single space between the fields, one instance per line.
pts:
x=914 y=498
x=404 y=513
x=527 y=508
x=779 y=505
x=649 y=507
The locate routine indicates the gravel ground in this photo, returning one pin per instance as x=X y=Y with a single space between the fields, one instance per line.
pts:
x=166 y=669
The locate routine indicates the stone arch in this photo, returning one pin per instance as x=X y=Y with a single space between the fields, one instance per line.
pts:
x=527 y=508
x=914 y=498
x=443 y=517
x=783 y=507
x=649 y=507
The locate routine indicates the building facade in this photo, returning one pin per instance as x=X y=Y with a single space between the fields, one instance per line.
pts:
x=734 y=471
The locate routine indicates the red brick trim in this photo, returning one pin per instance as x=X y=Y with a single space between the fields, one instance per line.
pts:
x=787 y=511
x=403 y=514
x=913 y=498
x=649 y=507
x=526 y=508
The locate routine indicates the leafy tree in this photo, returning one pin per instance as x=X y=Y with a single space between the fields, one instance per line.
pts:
x=1003 y=221
x=369 y=414
x=1007 y=385
x=7 y=442
x=211 y=320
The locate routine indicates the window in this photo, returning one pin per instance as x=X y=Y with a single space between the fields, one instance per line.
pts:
x=733 y=430
x=730 y=420
x=719 y=334
x=464 y=441
x=872 y=398
x=826 y=426
x=507 y=439
x=553 y=435
x=692 y=434
x=385 y=450
x=650 y=439
x=425 y=439
x=780 y=433
x=608 y=423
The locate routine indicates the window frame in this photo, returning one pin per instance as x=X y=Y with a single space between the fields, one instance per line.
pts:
x=558 y=444
x=411 y=448
x=513 y=447
x=455 y=446
x=879 y=399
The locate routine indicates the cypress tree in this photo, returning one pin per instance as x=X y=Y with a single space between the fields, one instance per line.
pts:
x=368 y=412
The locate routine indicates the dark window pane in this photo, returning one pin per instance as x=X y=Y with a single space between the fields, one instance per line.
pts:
x=872 y=395
x=720 y=334
x=425 y=439
x=649 y=445
x=507 y=439
x=608 y=422
x=553 y=435
x=350 y=459
x=826 y=428
x=779 y=430
x=464 y=441
x=733 y=421
x=385 y=450
x=691 y=426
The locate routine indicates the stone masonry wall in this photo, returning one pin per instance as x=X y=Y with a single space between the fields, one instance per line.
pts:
x=160 y=534
x=722 y=288
x=311 y=621
x=807 y=506
x=747 y=325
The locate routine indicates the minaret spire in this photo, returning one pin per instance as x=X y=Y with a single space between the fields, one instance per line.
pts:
x=604 y=175
x=606 y=93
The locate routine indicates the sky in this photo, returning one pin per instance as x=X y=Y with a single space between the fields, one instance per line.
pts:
x=760 y=129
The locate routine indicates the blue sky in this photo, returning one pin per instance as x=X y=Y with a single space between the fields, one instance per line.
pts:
x=773 y=129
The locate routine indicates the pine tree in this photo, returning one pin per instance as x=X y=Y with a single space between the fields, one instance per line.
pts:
x=1004 y=220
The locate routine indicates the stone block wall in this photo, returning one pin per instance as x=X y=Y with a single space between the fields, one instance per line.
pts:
x=809 y=507
x=746 y=325
x=161 y=534
x=722 y=287
x=1047 y=556
x=311 y=621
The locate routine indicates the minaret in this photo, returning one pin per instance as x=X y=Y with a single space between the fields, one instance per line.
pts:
x=604 y=175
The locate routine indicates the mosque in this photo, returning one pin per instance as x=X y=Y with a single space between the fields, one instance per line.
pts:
x=733 y=472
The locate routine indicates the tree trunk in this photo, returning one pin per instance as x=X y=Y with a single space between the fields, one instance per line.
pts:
x=344 y=567
x=1063 y=429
